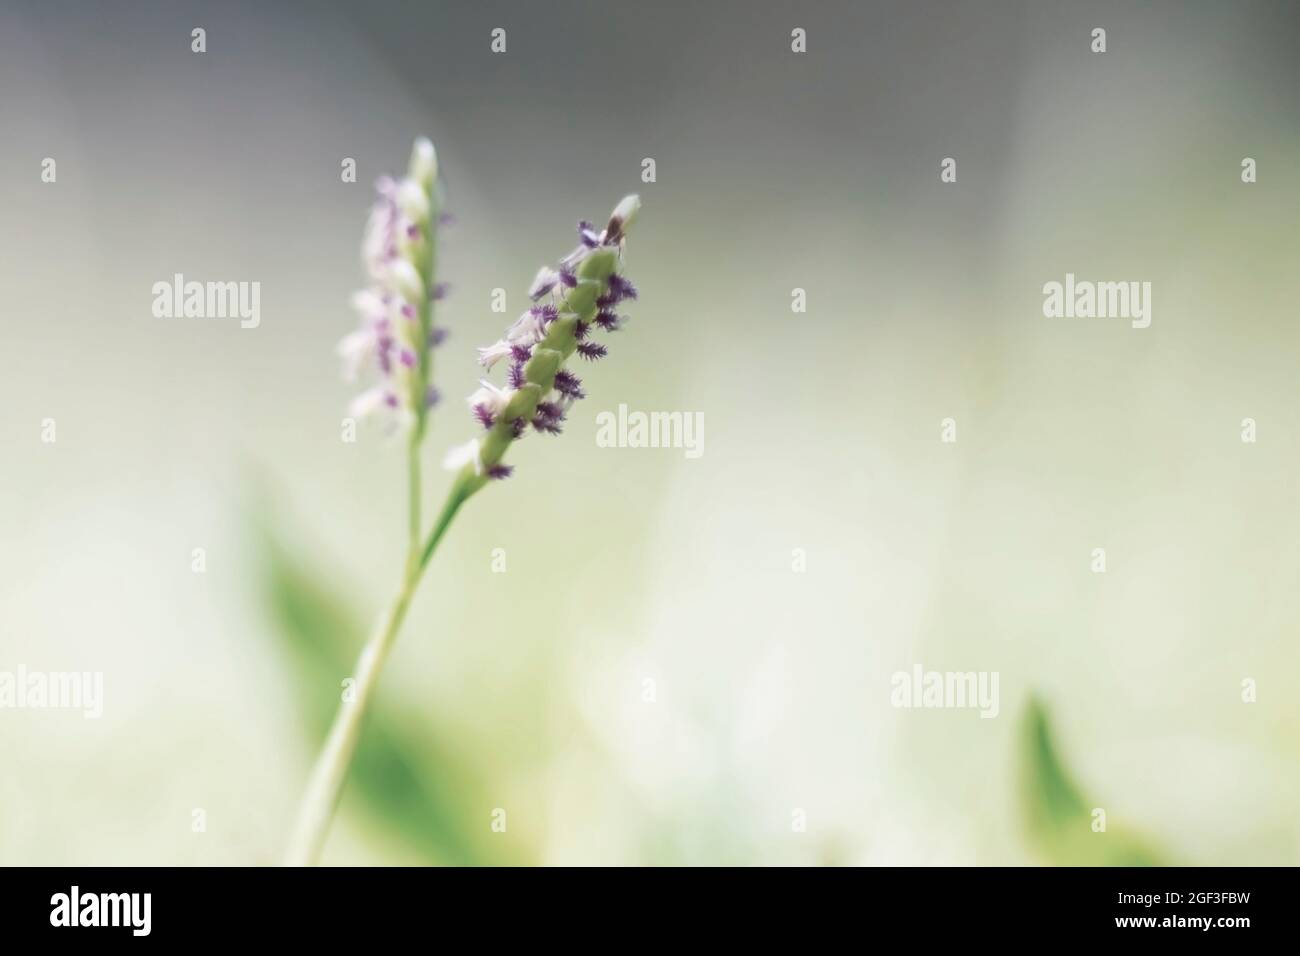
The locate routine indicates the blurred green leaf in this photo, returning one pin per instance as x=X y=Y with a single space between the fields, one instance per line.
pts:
x=1058 y=817
x=402 y=774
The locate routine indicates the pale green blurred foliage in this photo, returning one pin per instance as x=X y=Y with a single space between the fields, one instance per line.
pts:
x=1059 y=820
x=406 y=775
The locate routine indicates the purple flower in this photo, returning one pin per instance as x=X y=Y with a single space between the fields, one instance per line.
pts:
x=619 y=290
x=551 y=426
x=608 y=321
x=568 y=384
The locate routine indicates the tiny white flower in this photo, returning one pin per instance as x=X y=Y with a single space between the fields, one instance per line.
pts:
x=369 y=402
x=354 y=349
x=490 y=397
x=378 y=243
x=406 y=280
x=489 y=355
x=413 y=201
x=370 y=304
x=527 y=330
x=544 y=282
x=461 y=455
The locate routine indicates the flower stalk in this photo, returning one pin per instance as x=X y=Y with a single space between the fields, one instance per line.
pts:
x=400 y=251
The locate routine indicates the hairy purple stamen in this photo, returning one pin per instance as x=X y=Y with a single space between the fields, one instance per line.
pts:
x=621 y=287
x=552 y=410
x=592 y=350
x=484 y=415
x=499 y=472
x=568 y=384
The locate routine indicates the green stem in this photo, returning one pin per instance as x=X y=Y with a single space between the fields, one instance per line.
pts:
x=331 y=768
x=330 y=772
x=414 y=495
x=455 y=498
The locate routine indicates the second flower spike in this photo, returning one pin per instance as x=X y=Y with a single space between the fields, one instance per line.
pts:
x=573 y=301
x=397 y=332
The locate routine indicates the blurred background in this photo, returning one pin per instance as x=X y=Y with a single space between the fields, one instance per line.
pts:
x=637 y=573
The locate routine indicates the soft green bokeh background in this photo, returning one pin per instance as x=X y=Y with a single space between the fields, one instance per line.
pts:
x=524 y=690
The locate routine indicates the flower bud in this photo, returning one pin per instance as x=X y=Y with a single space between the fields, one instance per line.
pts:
x=424 y=164
x=406 y=280
x=413 y=201
x=622 y=218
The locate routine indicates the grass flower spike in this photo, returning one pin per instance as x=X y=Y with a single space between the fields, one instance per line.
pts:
x=397 y=333
x=571 y=302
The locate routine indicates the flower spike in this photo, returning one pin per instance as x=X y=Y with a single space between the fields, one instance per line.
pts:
x=397 y=334
x=573 y=299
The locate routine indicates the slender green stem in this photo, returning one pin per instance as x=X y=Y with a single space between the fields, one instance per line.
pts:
x=331 y=768
x=455 y=499
x=415 y=495
x=330 y=772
